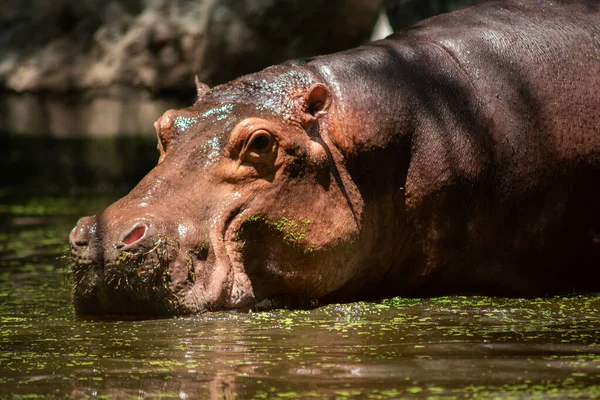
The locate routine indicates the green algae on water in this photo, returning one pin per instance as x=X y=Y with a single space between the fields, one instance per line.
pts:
x=438 y=348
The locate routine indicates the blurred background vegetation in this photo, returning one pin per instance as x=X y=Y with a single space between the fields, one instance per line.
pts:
x=82 y=81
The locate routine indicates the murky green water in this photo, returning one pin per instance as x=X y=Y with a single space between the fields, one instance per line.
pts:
x=440 y=348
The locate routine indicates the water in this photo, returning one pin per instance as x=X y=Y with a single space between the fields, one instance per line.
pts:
x=442 y=348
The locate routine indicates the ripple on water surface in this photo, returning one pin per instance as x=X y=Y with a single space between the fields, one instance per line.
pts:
x=441 y=348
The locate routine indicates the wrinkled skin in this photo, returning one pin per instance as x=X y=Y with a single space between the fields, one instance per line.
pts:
x=461 y=156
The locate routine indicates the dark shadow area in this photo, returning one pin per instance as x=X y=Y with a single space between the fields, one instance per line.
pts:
x=46 y=165
x=277 y=31
x=404 y=13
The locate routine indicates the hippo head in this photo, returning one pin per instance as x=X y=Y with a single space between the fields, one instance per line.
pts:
x=249 y=201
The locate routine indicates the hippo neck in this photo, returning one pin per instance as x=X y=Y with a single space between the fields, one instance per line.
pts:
x=411 y=126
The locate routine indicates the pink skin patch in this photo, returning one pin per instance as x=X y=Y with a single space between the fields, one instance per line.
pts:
x=135 y=235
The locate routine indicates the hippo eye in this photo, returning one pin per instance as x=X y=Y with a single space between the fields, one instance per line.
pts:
x=260 y=147
x=260 y=142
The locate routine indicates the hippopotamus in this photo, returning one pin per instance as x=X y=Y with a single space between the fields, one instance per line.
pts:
x=458 y=157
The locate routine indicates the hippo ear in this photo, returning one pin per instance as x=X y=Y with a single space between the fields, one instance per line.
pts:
x=202 y=89
x=318 y=99
x=164 y=132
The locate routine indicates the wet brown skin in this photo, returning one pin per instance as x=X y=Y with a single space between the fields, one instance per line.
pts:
x=461 y=156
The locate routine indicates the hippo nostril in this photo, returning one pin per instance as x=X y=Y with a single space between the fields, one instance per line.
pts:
x=136 y=234
x=80 y=235
x=78 y=241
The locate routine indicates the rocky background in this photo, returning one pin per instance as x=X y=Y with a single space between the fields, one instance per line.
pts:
x=97 y=67
x=80 y=68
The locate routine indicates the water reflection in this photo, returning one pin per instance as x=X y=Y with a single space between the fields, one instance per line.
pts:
x=399 y=348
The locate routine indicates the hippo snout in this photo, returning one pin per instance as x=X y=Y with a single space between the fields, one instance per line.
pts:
x=129 y=264
x=85 y=237
x=103 y=247
x=80 y=238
